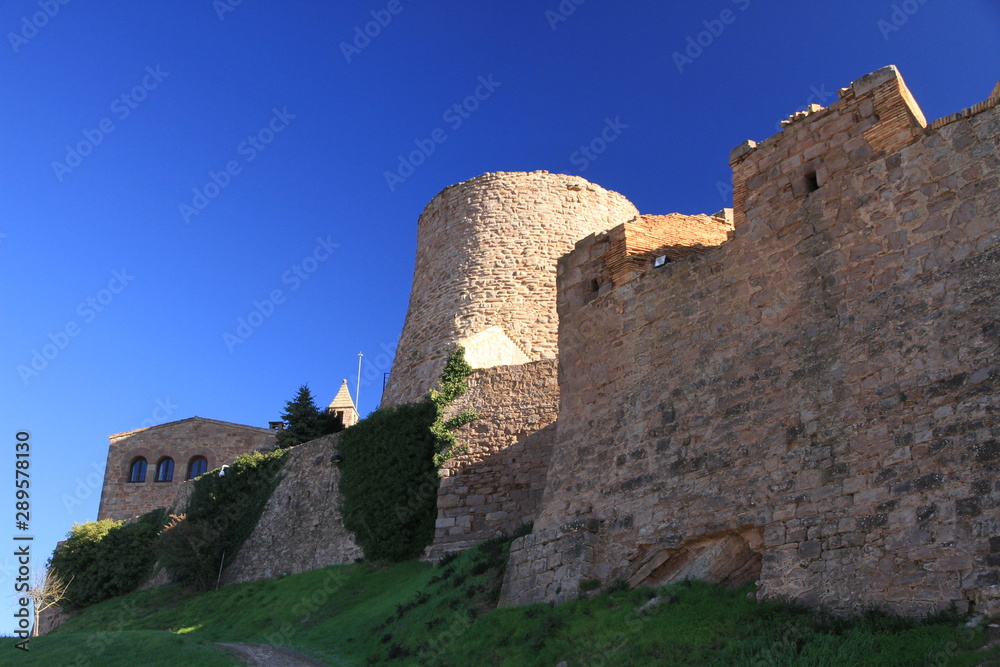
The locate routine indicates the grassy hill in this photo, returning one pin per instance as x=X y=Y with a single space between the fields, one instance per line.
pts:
x=417 y=614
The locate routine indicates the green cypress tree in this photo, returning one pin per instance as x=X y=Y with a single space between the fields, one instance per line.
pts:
x=303 y=419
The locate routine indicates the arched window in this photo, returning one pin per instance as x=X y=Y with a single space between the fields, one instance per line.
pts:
x=197 y=466
x=165 y=469
x=137 y=470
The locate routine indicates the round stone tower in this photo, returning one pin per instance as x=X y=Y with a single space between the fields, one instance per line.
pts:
x=485 y=273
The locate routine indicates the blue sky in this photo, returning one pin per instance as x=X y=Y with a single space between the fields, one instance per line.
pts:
x=168 y=170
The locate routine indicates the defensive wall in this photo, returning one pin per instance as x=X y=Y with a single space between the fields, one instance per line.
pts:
x=812 y=404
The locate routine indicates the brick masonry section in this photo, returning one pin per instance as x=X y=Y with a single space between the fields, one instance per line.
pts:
x=300 y=528
x=486 y=256
x=497 y=484
x=219 y=442
x=814 y=403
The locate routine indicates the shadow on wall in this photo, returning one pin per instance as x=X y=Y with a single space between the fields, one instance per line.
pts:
x=490 y=493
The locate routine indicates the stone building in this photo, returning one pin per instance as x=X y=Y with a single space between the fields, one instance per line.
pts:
x=146 y=466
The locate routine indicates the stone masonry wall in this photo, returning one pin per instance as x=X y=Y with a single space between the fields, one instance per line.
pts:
x=219 y=442
x=637 y=242
x=814 y=403
x=497 y=484
x=486 y=256
x=300 y=528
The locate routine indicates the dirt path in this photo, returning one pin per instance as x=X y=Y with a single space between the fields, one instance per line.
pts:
x=262 y=655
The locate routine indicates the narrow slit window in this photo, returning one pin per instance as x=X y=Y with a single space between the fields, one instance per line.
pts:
x=812 y=182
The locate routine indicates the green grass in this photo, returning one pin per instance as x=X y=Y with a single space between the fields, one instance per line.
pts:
x=128 y=648
x=413 y=613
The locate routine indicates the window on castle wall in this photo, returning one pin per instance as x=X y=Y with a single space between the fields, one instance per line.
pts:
x=197 y=466
x=137 y=470
x=811 y=182
x=165 y=470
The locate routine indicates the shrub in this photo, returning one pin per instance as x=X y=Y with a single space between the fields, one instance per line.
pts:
x=222 y=512
x=389 y=461
x=388 y=482
x=107 y=558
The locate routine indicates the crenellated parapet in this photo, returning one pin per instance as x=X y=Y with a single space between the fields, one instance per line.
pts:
x=874 y=117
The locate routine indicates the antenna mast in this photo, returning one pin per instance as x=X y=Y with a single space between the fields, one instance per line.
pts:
x=357 y=388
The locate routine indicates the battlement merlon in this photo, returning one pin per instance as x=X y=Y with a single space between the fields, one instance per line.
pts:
x=875 y=115
x=604 y=261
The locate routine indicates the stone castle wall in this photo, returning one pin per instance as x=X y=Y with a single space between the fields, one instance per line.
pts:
x=497 y=484
x=301 y=528
x=804 y=395
x=486 y=257
x=219 y=442
x=815 y=402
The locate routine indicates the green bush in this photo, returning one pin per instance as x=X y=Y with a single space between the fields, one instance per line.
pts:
x=222 y=512
x=389 y=480
x=108 y=558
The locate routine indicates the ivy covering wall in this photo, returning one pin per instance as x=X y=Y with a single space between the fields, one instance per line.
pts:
x=222 y=512
x=389 y=469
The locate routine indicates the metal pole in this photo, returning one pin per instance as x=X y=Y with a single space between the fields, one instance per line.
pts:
x=357 y=388
x=219 y=578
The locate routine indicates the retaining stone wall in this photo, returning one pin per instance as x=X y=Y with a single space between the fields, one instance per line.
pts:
x=301 y=528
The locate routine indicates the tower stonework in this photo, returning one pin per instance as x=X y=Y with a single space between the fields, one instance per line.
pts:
x=485 y=272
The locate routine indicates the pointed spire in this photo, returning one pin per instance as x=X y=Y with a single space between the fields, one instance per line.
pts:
x=343 y=404
x=342 y=400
